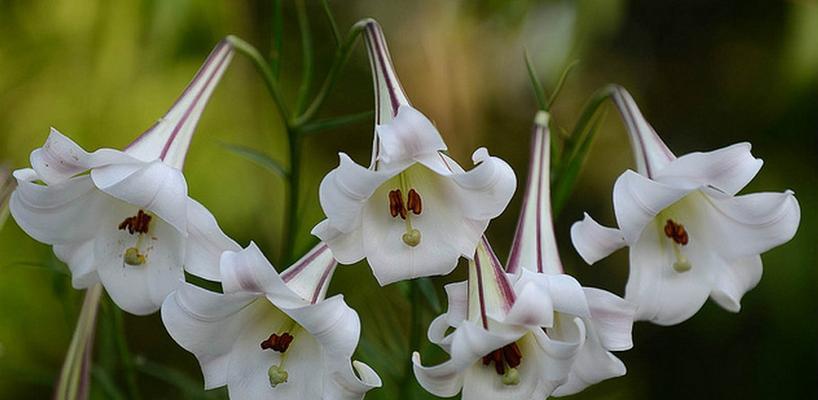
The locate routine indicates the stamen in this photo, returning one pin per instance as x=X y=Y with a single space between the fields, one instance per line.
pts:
x=678 y=234
x=509 y=355
x=279 y=343
x=414 y=203
x=139 y=223
x=396 y=204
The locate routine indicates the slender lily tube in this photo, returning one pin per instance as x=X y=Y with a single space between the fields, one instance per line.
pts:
x=74 y=381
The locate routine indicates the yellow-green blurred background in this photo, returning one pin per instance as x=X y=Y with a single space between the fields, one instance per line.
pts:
x=706 y=74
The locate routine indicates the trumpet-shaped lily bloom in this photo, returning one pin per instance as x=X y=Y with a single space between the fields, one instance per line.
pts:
x=524 y=336
x=414 y=211
x=689 y=234
x=271 y=335
x=123 y=218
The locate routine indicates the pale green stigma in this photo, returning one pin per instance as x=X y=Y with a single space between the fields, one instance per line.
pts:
x=277 y=375
x=133 y=257
x=411 y=237
x=511 y=377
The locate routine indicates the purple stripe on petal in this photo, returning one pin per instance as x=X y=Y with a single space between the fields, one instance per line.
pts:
x=196 y=101
x=330 y=268
x=500 y=276
x=481 y=297
x=648 y=148
x=300 y=265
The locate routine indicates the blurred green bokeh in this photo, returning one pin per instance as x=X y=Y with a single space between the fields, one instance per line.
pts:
x=706 y=74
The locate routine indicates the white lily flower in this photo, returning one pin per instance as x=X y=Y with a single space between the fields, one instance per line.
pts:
x=524 y=340
x=414 y=211
x=535 y=248
x=127 y=223
x=690 y=236
x=271 y=335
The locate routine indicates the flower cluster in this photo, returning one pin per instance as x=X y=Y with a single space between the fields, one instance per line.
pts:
x=524 y=330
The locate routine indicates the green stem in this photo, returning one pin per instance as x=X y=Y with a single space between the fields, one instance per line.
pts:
x=293 y=188
x=264 y=69
x=415 y=334
x=278 y=38
x=74 y=383
x=306 y=54
x=125 y=356
x=341 y=57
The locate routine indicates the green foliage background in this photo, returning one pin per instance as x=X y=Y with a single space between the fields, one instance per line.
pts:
x=706 y=74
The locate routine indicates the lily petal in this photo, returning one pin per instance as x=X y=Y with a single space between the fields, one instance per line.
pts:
x=728 y=169
x=81 y=261
x=207 y=324
x=535 y=245
x=168 y=139
x=309 y=277
x=248 y=271
x=637 y=200
x=389 y=94
x=61 y=158
x=593 y=241
x=485 y=191
x=205 y=242
x=347 y=248
x=612 y=318
x=651 y=153
x=409 y=136
x=734 y=280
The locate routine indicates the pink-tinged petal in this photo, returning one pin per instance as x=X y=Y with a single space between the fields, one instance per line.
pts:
x=60 y=158
x=168 y=139
x=662 y=295
x=345 y=190
x=336 y=327
x=735 y=279
x=458 y=302
x=593 y=241
x=408 y=136
x=491 y=295
x=637 y=201
x=138 y=289
x=207 y=325
x=535 y=245
x=437 y=331
x=389 y=94
x=485 y=190
x=347 y=248
x=62 y=213
x=566 y=293
x=444 y=380
x=744 y=226
x=652 y=155
x=81 y=261
x=309 y=277
x=531 y=308
x=728 y=169
x=248 y=271
x=155 y=187
x=611 y=319
x=205 y=242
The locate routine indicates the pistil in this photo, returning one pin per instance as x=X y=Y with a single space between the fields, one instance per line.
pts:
x=400 y=206
x=139 y=225
x=279 y=343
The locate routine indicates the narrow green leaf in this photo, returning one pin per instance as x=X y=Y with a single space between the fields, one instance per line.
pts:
x=561 y=82
x=336 y=122
x=306 y=55
x=257 y=157
x=539 y=92
x=570 y=171
x=336 y=34
x=103 y=379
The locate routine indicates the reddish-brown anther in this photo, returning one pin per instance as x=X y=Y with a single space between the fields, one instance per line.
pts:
x=139 y=223
x=413 y=202
x=509 y=354
x=676 y=232
x=396 y=204
x=279 y=343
